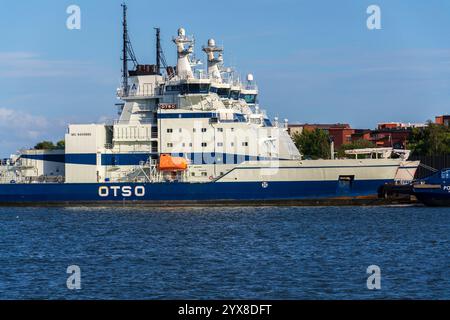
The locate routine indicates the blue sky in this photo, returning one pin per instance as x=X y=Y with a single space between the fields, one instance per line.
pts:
x=315 y=61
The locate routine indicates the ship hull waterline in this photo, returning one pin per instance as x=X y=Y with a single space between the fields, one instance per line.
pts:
x=180 y=193
x=433 y=199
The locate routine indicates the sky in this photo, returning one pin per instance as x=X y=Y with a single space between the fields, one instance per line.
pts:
x=315 y=61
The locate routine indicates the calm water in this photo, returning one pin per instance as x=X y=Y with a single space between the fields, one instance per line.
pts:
x=230 y=253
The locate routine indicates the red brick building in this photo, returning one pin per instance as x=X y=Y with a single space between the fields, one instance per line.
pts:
x=387 y=135
x=391 y=125
x=341 y=136
x=340 y=132
x=361 y=134
x=387 y=138
x=444 y=120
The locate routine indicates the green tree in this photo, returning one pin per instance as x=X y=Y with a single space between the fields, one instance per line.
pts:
x=357 y=144
x=44 y=145
x=313 y=144
x=434 y=139
x=49 y=145
x=61 y=145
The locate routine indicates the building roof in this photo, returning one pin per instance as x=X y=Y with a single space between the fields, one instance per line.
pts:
x=321 y=125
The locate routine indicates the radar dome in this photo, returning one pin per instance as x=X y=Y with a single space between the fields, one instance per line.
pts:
x=211 y=43
x=250 y=77
x=181 y=32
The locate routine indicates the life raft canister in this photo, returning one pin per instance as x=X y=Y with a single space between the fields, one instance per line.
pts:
x=169 y=163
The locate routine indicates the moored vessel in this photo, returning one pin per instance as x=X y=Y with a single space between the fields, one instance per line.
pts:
x=188 y=135
x=434 y=190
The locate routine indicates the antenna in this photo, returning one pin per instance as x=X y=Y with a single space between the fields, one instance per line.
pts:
x=158 y=50
x=160 y=58
x=127 y=51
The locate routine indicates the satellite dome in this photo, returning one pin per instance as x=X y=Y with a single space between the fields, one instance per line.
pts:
x=211 y=43
x=250 y=77
x=181 y=32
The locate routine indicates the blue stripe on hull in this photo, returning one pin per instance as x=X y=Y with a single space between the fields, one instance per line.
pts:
x=41 y=193
x=187 y=115
x=134 y=159
x=195 y=158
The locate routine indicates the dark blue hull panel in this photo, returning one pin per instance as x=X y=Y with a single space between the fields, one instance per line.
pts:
x=179 y=192
x=433 y=197
x=435 y=189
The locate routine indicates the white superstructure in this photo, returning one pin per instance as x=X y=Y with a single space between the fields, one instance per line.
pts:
x=212 y=121
x=209 y=118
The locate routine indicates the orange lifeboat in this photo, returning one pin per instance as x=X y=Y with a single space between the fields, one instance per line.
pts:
x=169 y=163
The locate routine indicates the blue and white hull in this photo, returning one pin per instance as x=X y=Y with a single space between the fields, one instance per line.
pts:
x=289 y=181
x=129 y=193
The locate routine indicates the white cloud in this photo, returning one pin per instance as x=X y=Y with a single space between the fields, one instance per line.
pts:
x=18 y=125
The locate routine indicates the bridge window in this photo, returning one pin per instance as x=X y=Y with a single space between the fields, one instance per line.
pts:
x=223 y=93
x=169 y=130
x=249 y=98
x=234 y=95
x=194 y=88
x=173 y=88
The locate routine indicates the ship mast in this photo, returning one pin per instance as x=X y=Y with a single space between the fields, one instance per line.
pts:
x=158 y=50
x=127 y=52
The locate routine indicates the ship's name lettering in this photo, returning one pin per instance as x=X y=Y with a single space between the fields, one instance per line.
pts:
x=124 y=191
x=167 y=106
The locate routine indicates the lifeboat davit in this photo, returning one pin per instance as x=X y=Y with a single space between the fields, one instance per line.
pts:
x=169 y=163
